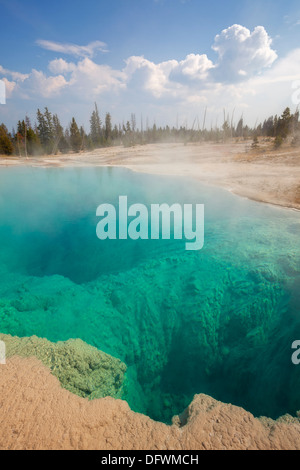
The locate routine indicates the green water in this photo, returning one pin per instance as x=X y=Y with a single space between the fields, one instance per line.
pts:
x=220 y=321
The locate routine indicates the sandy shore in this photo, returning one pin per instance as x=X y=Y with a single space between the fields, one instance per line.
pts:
x=264 y=175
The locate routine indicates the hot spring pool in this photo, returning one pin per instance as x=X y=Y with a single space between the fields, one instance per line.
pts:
x=219 y=321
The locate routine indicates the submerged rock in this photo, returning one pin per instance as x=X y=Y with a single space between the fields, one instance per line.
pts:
x=80 y=368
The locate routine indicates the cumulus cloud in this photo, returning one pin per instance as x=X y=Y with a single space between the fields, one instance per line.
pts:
x=194 y=67
x=275 y=87
x=73 y=49
x=244 y=74
x=45 y=86
x=9 y=87
x=242 y=52
x=88 y=78
x=169 y=78
x=99 y=77
x=143 y=74
x=241 y=55
x=58 y=66
x=84 y=79
x=17 y=76
x=16 y=79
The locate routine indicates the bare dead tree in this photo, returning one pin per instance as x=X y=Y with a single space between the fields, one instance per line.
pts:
x=204 y=119
x=231 y=124
x=25 y=139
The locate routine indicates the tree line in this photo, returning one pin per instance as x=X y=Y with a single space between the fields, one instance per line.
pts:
x=47 y=135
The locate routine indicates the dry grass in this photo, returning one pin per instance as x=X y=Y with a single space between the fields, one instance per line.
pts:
x=267 y=153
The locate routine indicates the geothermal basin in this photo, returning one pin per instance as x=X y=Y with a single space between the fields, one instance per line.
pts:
x=219 y=321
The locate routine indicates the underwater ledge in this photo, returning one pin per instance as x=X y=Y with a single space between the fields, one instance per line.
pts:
x=80 y=368
x=40 y=409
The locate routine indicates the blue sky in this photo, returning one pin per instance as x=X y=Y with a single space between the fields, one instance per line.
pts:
x=159 y=58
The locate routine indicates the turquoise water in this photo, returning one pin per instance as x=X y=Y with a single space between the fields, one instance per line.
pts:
x=220 y=321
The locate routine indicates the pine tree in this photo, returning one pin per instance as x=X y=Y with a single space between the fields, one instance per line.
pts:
x=133 y=122
x=50 y=131
x=27 y=140
x=75 y=137
x=278 y=141
x=128 y=128
x=96 y=132
x=268 y=127
x=240 y=128
x=6 y=145
x=59 y=139
x=226 y=129
x=116 y=133
x=84 y=143
x=284 y=124
x=33 y=142
x=255 y=143
x=108 y=129
x=46 y=130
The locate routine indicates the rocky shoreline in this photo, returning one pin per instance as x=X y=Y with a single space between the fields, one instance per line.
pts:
x=38 y=410
x=38 y=414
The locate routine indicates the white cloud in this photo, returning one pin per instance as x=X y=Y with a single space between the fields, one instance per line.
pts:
x=242 y=52
x=194 y=67
x=47 y=86
x=247 y=75
x=73 y=49
x=17 y=76
x=169 y=78
x=91 y=79
x=9 y=87
x=84 y=80
x=12 y=85
x=58 y=66
x=143 y=74
x=39 y=85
